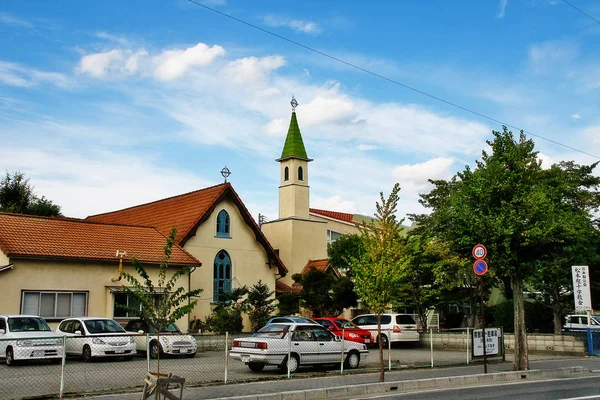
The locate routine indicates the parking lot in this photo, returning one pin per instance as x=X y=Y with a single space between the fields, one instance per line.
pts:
x=209 y=366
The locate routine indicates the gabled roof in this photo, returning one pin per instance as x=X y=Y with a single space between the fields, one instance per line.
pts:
x=344 y=217
x=294 y=145
x=70 y=238
x=186 y=212
x=321 y=265
x=281 y=287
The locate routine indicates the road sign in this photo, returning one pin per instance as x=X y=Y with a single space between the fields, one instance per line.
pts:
x=480 y=267
x=479 y=252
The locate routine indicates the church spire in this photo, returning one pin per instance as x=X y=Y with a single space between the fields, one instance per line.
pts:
x=294 y=146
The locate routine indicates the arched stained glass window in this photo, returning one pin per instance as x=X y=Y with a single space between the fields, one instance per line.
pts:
x=221 y=276
x=286 y=174
x=300 y=174
x=223 y=224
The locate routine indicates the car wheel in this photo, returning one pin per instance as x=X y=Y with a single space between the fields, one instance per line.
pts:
x=10 y=357
x=256 y=367
x=87 y=354
x=155 y=350
x=293 y=364
x=384 y=342
x=352 y=360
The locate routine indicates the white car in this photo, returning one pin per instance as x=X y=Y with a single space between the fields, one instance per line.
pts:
x=171 y=342
x=90 y=337
x=28 y=337
x=394 y=327
x=306 y=343
x=579 y=322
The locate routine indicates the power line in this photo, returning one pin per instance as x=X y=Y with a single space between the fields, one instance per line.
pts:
x=389 y=79
x=583 y=12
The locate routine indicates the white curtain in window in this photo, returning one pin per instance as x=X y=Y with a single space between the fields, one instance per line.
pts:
x=63 y=305
x=47 y=305
x=31 y=303
x=78 y=305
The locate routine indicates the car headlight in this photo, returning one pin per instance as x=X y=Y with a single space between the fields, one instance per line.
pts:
x=131 y=339
x=98 y=341
x=24 y=343
x=164 y=339
x=353 y=335
x=55 y=342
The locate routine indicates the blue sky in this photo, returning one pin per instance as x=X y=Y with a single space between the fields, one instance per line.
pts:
x=109 y=104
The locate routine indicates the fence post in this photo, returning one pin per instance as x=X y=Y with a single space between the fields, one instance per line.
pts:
x=343 y=347
x=148 y=352
x=289 y=356
x=468 y=340
x=389 y=335
x=226 y=358
x=503 y=348
x=431 y=344
x=62 y=367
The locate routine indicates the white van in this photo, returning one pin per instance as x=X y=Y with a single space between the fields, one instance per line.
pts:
x=579 y=322
x=394 y=327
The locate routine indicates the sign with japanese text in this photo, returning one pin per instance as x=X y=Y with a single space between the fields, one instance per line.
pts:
x=581 y=288
x=491 y=341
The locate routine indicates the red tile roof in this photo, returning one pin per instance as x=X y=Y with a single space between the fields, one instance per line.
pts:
x=186 y=212
x=281 y=287
x=43 y=237
x=321 y=265
x=345 y=217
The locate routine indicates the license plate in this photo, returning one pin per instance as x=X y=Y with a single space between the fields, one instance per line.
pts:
x=38 y=353
x=245 y=358
x=367 y=340
x=119 y=351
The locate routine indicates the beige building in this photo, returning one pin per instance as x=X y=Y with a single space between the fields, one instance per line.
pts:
x=70 y=266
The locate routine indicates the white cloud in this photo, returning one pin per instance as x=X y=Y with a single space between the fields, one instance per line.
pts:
x=552 y=54
x=113 y=38
x=414 y=177
x=366 y=147
x=336 y=203
x=250 y=70
x=299 y=26
x=13 y=21
x=99 y=64
x=172 y=64
x=14 y=74
x=502 y=8
x=576 y=116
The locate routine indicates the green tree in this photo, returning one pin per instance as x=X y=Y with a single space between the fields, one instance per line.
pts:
x=324 y=294
x=505 y=204
x=17 y=196
x=163 y=303
x=288 y=303
x=260 y=301
x=341 y=251
x=227 y=314
x=377 y=273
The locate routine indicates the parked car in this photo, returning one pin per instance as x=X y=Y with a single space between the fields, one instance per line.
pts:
x=307 y=344
x=579 y=322
x=340 y=326
x=394 y=327
x=290 y=319
x=91 y=337
x=28 y=337
x=171 y=342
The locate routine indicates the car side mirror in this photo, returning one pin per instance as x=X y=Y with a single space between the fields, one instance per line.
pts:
x=337 y=338
x=141 y=331
x=79 y=333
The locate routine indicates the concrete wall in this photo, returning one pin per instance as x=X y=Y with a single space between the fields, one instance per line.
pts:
x=39 y=275
x=294 y=195
x=3 y=259
x=248 y=257
x=540 y=343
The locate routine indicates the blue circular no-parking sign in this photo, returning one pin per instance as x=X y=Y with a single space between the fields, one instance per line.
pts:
x=480 y=267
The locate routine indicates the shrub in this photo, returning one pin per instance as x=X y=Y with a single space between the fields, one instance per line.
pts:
x=224 y=319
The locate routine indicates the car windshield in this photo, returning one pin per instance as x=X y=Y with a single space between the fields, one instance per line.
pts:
x=272 y=330
x=22 y=324
x=172 y=328
x=103 y=326
x=343 y=324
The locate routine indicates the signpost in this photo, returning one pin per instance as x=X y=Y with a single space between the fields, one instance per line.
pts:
x=491 y=341
x=480 y=267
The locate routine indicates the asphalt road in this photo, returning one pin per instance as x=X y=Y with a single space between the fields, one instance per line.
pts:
x=28 y=380
x=568 y=388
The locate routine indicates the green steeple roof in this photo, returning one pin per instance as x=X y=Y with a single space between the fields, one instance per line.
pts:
x=294 y=146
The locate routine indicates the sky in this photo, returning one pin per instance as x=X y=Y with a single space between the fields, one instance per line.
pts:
x=109 y=104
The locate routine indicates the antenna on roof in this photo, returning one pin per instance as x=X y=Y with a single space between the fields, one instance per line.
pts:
x=225 y=172
x=119 y=254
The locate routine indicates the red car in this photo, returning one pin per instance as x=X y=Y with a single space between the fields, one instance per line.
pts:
x=350 y=331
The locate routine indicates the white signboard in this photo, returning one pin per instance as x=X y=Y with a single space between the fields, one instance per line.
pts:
x=491 y=342
x=581 y=288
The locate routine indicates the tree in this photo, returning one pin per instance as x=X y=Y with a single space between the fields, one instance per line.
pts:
x=504 y=203
x=324 y=294
x=377 y=273
x=341 y=251
x=17 y=196
x=164 y=303
x=227 y=314
x=260 y=301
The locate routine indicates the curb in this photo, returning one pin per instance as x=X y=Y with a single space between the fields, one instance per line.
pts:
x=431 y=383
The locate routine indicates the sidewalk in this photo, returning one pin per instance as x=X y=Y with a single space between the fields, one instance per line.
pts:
x=356 y=384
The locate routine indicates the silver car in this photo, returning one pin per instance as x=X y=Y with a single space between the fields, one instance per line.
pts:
x=305 y=343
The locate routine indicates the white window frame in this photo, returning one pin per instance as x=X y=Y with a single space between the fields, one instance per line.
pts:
x=55 y=293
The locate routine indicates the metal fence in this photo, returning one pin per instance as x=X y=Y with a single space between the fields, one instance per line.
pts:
x=86 y=365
